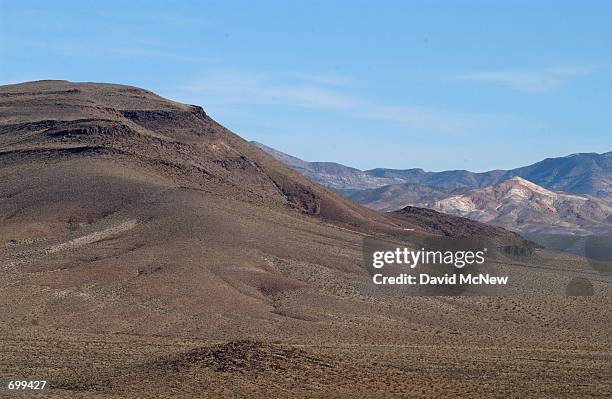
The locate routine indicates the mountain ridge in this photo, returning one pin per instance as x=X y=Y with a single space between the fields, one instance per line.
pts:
x=524 y=206
x=582 y=173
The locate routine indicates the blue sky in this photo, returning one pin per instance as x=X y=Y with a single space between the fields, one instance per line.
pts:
x=437 y=85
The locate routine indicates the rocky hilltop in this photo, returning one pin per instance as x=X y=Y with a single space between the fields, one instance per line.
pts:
x=524 y=206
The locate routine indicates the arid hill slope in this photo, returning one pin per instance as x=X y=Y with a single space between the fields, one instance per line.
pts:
x=145 y=250
x=125 y=203
x=55 y=119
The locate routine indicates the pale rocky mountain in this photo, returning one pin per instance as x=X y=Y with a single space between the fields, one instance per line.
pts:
x=524 y=206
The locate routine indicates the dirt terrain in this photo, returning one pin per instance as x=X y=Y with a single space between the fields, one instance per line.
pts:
x=146 y=251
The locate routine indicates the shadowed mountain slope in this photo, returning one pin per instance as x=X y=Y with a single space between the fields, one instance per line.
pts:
x=449 y=225
x=56 y=120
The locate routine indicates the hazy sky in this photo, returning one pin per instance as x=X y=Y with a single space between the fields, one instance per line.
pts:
x=472 y=85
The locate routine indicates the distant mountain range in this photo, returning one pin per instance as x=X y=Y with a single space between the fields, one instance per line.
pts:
x=396 y=196
x=331 y=174
x=571 y=194
x=586 y=173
